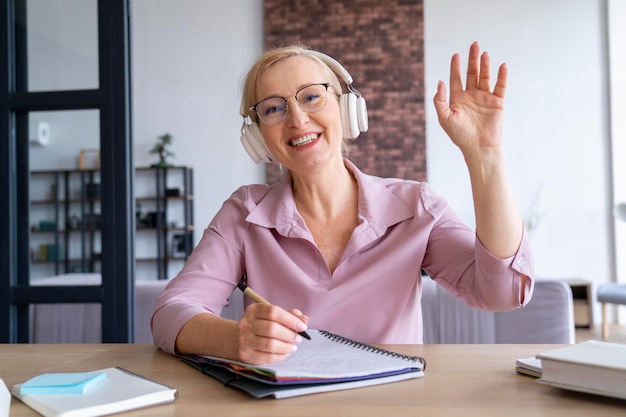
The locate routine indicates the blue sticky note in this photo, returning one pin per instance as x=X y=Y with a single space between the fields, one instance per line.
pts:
x=62 y=383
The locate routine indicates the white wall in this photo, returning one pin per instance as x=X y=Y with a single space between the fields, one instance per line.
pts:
x=188 y=60
x=557 y=126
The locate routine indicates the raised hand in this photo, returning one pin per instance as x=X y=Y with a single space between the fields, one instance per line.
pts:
x=473 y=118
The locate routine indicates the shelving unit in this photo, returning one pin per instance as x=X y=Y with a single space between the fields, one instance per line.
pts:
x=65 y=220
x=168 y=191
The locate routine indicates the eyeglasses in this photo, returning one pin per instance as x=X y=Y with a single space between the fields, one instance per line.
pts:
x=311 y=98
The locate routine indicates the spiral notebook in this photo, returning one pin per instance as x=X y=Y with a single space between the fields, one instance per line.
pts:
x=327 y=362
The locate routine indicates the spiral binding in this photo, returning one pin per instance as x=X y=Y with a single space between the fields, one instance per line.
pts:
x=370 y=348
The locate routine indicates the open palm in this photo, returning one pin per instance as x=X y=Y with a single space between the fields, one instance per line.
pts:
x=473 y=118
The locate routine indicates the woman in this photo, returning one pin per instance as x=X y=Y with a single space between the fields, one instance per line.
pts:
x=339 y=250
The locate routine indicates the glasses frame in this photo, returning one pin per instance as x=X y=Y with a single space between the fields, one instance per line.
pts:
x=254 y=107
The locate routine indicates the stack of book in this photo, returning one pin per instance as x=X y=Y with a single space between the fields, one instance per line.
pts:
x=50 y=252
x=592 y=366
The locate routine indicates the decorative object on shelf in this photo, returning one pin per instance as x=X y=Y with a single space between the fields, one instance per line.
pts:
x=89 y=159
x=155 y=219
x=42 y=137
x=49 y=225
x=50 y=252
x=175 y=192
x=161 y=148
x=180 y=247
x=73 y=222
x=92 y=189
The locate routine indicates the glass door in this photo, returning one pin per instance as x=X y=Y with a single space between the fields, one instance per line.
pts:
x=69 y=199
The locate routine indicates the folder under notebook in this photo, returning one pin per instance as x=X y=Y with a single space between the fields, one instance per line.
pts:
x=328 y=362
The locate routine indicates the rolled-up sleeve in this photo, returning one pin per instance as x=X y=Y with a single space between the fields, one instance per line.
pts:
x=502 y=284
x=458 y=261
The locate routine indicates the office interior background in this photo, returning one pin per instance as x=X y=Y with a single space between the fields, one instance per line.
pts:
x=564 y=141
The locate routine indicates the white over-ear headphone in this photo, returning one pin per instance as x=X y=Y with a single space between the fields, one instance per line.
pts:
x=353 y=115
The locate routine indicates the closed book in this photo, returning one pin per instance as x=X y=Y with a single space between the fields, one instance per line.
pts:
x=592 y=366
x=5 y=399
x=120 y=391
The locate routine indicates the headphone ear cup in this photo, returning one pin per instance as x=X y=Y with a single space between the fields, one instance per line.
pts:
x=349 y=118
x=353 y=115
x=245 y=140
x=361 y=112
x=254 y=143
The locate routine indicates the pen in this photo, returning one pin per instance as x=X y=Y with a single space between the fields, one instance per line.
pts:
x=257 y=298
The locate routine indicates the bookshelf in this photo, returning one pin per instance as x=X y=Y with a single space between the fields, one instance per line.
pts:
x=65 y=217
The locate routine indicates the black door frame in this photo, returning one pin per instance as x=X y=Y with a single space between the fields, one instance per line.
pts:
x=112 y=99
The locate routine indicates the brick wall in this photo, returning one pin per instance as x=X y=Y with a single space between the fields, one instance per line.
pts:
x=381 y=44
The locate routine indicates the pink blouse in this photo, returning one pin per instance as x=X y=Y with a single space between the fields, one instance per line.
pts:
x=374 y=293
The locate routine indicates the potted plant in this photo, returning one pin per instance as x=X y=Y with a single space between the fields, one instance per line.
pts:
x=161 y=148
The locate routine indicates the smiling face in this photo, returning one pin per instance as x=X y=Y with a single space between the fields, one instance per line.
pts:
x=303 y=141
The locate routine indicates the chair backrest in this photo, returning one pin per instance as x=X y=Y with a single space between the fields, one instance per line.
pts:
x=547 y=318
x=446 y=319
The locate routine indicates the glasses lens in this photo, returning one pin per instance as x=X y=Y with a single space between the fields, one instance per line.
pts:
x=272 y=110
x=312 y=98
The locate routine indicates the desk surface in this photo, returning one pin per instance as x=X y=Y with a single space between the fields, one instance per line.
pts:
x=467 y=380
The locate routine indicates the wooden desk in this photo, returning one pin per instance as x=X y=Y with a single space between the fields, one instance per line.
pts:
x=461 y=380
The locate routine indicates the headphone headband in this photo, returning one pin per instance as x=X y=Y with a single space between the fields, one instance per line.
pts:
x=334 y=65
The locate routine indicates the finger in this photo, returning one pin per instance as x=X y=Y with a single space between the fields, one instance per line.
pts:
x=274 y=322
x=456 y=84
x=473 y=64
x=255 y=349
x=500 y=88
x=441 y=105
x=485 y=72
x=271 y=345
x=300 y=315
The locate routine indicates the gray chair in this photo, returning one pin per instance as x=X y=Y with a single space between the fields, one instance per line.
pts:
x=547 y=318
x=611 y=293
